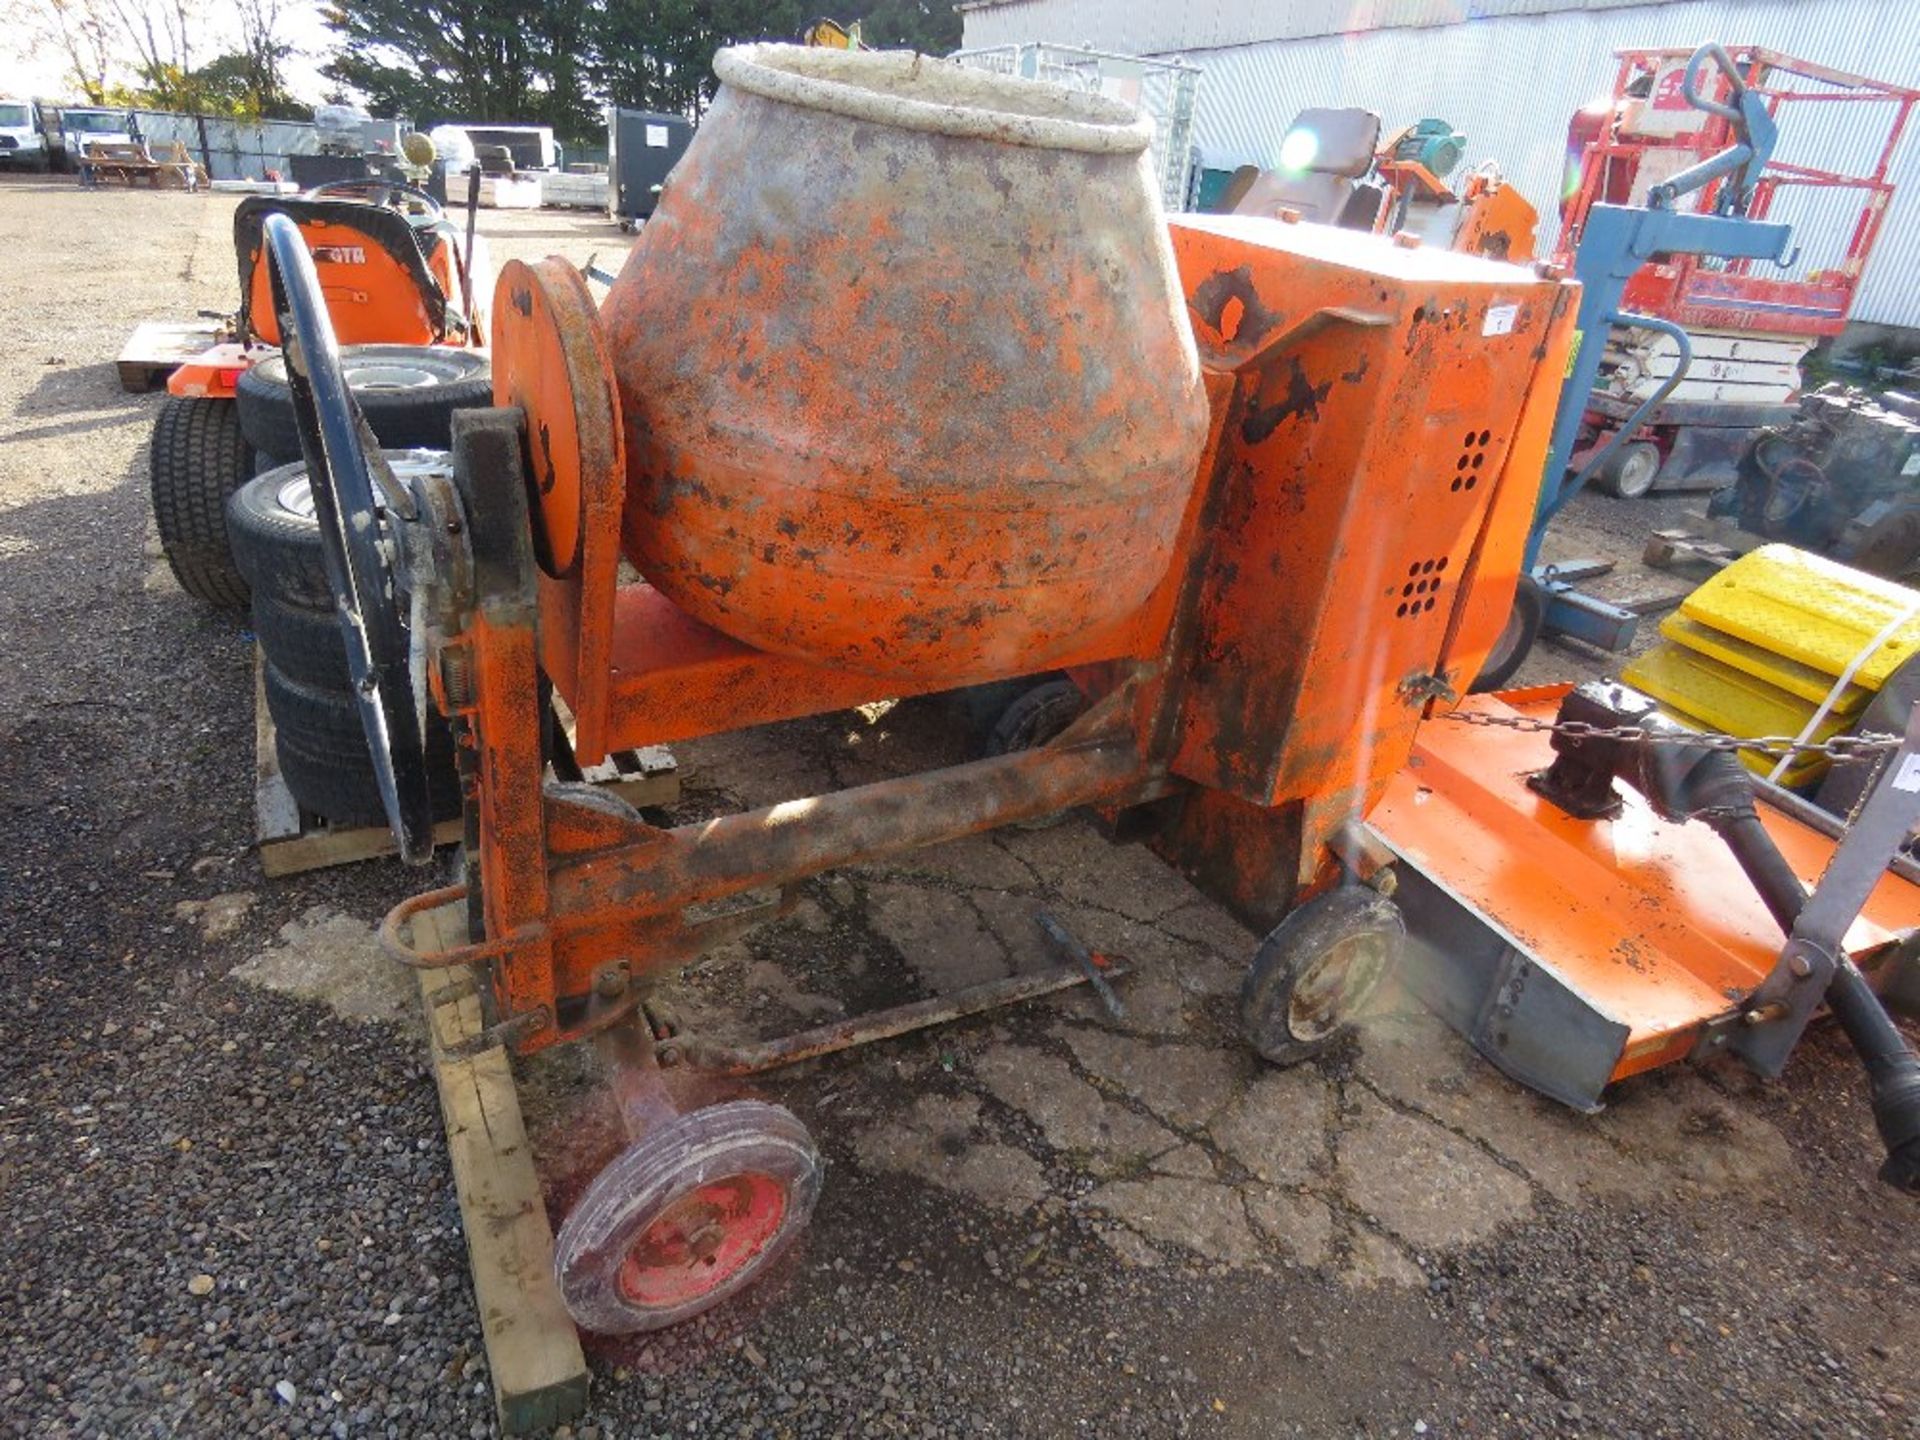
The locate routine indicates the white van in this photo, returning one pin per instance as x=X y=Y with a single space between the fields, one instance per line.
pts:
x=22 y=145
x=84 y=125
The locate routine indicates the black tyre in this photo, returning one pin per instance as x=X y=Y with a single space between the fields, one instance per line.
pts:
x=1315 y=973
x=304 y=645
x=322 y=750
x=1524 y=623
x=276 y=540
x=1631 y=470
x=1036 y=716
x=407 y=392
x=197 y=459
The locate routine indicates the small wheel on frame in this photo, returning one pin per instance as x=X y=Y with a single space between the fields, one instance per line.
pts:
x=1035 y=718
x=694 y=1211
x=1314 y=974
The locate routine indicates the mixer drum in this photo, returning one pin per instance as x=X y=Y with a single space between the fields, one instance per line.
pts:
x=908 y=380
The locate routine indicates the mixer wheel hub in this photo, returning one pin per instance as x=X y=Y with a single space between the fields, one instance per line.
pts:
x=692 y=1212
x=1315 y=973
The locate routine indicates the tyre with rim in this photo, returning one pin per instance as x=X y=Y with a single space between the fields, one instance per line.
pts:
x=408 y=393
x=197 y=459
x=1313 y=975
x=693 y=1212
x=276 y=537
x=1631 y=470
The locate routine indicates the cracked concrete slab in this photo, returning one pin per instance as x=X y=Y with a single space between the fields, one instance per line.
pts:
x=1084 y=868
x=1428 y=1186
x=1096 y=1133
x=937 y=933
x=974 y=862
x=1375 y=1260
x=1198 y=1215
x=1182 y=1084
x=938 y=1140
x=1301 y=1225
x=1277 y=1130
x=330 y=956
x=1190 y=1162
x=1418 y=1061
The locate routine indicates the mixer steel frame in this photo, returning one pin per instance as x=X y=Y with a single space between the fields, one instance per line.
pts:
x=1246 y=716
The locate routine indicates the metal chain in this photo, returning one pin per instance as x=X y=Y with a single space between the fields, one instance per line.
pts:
x=1840 y=747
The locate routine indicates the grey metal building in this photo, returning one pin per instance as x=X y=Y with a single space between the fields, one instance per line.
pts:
x=1508 y=76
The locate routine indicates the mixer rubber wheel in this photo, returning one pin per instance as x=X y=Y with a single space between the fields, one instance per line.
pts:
x=1035 y=717
x=1315 y=973
x=197 y=458
x=691 y=1213
x=1524 y=623
x=408 y=393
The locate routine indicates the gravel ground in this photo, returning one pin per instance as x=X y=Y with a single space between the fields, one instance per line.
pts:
x=227 y=1210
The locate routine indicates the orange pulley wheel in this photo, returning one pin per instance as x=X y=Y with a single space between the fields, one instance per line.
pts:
x=550 y=360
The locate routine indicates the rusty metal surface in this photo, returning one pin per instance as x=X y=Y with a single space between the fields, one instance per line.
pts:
x=753 y=1059
x=909 y=403
x=550 y=360
x=1324 y=589
x=1380 y=389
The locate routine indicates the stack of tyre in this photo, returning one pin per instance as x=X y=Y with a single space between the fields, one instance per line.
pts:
x=235 y=537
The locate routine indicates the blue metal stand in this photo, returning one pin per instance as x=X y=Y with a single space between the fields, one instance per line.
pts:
x=1616 y=241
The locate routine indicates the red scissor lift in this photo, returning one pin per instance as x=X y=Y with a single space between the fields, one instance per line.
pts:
x=1648 y=132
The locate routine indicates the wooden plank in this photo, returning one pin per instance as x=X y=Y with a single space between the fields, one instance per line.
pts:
x=533 y=1351
x=275 y=815
x=159 y=347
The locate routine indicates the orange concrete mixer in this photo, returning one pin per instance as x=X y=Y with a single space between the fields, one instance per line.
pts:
x=907 y=383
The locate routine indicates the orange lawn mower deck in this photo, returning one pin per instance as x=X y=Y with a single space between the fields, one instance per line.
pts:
x=884 y=422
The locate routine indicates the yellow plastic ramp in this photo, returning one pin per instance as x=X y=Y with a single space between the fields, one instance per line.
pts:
x=1707 y=694
x=1790 y=676
x=1809 y=610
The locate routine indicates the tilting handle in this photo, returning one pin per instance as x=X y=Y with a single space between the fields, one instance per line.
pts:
x=1690 y=90
x=358 y=505
x=1743 y=160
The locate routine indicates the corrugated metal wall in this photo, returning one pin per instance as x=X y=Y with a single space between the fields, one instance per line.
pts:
x=1138 y=27
x=1510 y=83
x=238 y=150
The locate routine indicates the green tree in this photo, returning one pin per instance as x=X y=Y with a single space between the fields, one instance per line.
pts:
x=464 y=59
x=557 y=63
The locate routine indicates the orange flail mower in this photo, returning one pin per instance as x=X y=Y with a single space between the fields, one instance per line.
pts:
x=940 y=398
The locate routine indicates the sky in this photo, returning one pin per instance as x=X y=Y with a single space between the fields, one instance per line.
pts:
x=41 y=71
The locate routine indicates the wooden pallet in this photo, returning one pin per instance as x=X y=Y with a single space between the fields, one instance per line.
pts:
x=157 y=348
x=533 y=1351
x=291 y=840
x=1708 y=549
